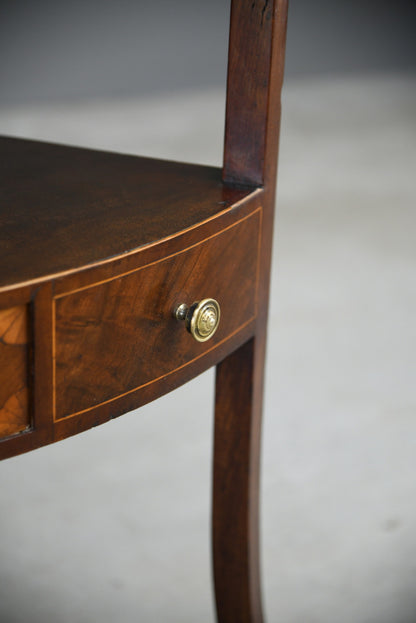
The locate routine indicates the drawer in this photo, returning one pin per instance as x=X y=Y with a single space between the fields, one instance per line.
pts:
x=119 y=335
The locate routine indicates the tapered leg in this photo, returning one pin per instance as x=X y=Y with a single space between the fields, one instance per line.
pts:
x=236 y=485
x=255 y=74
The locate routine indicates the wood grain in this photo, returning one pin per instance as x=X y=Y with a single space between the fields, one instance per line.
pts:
x=236 y=491
x=44 y=300
x=255 y=75
x=14 y=390
x=97 y=243
x=63 y=208
x=117 y=336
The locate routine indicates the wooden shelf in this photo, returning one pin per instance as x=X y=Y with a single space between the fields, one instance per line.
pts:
x=63 y=208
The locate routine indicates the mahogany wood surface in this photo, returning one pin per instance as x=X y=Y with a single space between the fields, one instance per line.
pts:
x=236 y=491
x=119 y=335
x=255 y=75
x=62 y=208
x=97 y=249
x=104 y=338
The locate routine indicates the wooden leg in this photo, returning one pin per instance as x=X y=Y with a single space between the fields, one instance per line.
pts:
x=236 y=485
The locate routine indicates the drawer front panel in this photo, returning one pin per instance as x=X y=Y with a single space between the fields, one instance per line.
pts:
x=114 y=337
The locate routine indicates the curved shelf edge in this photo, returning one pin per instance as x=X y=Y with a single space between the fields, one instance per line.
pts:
x=70 y=316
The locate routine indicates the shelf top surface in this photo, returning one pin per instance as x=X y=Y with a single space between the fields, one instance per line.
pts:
x=63 y=208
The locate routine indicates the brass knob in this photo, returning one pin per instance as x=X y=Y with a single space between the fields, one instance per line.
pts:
x=201 y=319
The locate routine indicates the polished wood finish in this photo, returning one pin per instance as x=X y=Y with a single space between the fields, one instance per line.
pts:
x=96 y=251
x=96 y=331
x=116 y=336
x=255 y=75
x=236 y=491
x=14 y=364
x=63 y=208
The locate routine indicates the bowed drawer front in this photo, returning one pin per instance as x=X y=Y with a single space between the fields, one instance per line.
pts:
x=119 y=335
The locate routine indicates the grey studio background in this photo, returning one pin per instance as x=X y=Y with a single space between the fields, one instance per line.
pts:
x=113 y=525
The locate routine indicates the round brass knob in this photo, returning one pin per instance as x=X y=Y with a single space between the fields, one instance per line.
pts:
x=201 y=319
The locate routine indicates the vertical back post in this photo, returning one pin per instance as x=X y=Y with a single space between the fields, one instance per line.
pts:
x=255 y=75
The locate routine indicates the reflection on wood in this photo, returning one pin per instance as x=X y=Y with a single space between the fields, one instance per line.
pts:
x=14 y=394
x=118 y=336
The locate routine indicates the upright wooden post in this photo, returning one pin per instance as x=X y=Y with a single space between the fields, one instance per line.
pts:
x=255 y=74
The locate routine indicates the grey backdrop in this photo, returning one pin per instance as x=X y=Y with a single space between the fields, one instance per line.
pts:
x=59 y=50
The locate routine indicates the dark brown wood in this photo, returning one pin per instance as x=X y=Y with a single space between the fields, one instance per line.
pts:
x=255 y=74
x=104 y=337
x=116 y=336
x=97 y=249
x=62 y=208
x=74 y=425
x=236 y=492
